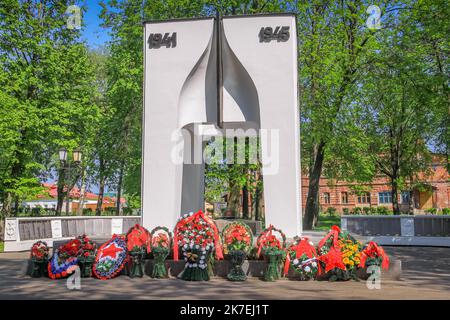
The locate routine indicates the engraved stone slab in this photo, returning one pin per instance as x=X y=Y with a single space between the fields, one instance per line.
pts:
x=56 y=229
x=116 y=226
x=407 y=227
x=11 y=229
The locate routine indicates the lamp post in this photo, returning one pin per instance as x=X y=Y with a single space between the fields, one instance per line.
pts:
x=67 y=166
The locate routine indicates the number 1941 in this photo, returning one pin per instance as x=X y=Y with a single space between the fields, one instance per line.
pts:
x=157 y=40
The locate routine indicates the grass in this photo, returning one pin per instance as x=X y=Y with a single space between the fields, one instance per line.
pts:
x=326 y=222
x=1 y=246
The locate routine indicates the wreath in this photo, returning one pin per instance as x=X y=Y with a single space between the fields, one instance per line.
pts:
x=111 y=258
x=302 y=258
x=339 y=254
x=161 y=237
x=373 y=254
x=198 y=237
x=138 y=239
x=237 y=236
x=196 y=232
x=63 y=259
x=161 y=244
x=39 y=251
x=268 y=242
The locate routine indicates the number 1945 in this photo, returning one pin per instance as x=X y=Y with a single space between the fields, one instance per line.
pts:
x=268 y=34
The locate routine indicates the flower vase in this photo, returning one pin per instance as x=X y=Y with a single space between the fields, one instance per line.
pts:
x=237 y=259
x=196 y=267
x=85 y=264
x=38 y=268
x=159 y=267
x=136 y=264
x=273 y=271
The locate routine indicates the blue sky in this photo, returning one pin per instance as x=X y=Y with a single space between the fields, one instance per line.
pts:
x=93 y=33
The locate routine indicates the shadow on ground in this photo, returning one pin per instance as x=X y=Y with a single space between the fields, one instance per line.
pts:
x=426 y=275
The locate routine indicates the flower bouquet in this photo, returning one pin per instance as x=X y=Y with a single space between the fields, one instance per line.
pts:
x=161 y=244
x=237 y=239
x=273 y=251
x=373 y=255
x=64 y=259
x=302 y=258
x=111 y=258
x=339 y=254
x=197 y=236
x=39 y=259
x=138 y=245
x=86 y=256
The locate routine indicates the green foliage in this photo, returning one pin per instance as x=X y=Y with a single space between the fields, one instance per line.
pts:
x=46 y=98
x=331 y=211
x=366 y=210
x=346 y=211
x=2 y=246
x=446 y=211
x=357 y=210
x=88 y=212
x=382 y=210
x=431 y=211
x=326 y=222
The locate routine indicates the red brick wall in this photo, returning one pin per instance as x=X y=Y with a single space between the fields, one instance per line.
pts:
x=438 y=178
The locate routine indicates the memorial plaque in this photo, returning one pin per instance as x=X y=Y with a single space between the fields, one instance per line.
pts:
x=56 y=228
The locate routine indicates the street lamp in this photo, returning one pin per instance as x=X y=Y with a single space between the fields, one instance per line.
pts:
x=63 y=154
x=77 y=155
x=66 y=167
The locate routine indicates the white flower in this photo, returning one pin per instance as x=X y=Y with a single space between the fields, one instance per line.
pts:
x=295 y=261
x=312 y=244
x=197 y=246
x=185 y=216
x=202 y=266
x=314 y=264
x=307 y=269
x=185 y=246
x=191 y=213
x=195 y=265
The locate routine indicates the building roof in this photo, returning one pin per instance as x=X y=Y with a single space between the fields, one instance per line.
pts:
x=52 y=192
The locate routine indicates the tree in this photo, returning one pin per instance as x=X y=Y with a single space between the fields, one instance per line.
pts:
x=46 y=80
x=403 y=96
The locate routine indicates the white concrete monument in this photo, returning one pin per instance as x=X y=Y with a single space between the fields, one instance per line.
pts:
x=235 y=72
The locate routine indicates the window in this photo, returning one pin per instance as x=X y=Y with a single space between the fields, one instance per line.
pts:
x=405 y=197
x=364 y=197
x=326 y=197
x=384 y=197
x=344 y=197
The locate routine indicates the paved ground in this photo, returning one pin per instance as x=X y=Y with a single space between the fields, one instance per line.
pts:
x=426 y=275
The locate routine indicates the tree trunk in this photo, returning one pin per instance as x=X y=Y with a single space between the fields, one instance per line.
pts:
x=60 y=192
x=234 y=199
x=394 y=193
x=245 y=208
x=312 y=201
x=82 y=191
x=119 y=189
x=101 y=188
x=7 y=201
x=2 y=227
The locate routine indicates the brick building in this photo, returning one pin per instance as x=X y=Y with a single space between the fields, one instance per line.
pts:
x=434 y=192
